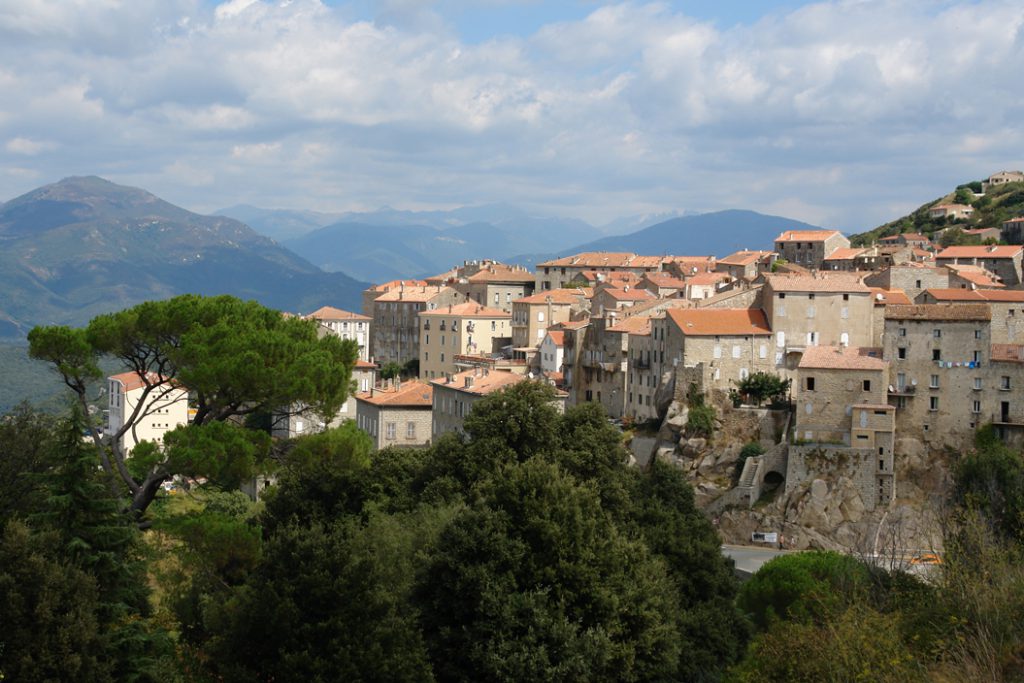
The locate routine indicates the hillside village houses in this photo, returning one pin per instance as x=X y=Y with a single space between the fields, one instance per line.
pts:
x=899 y=340
x=346 y=325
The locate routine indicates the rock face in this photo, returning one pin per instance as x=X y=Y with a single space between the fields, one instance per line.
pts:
x=827 y=512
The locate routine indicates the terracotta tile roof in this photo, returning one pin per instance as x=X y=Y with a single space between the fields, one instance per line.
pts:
x=413 y=294
x=982 y=251
x=631 y=294
x=703 y=322
x=557 y=296
x=395 y=284
x=743 y=258
x=639 y=325
x=557 y=337
x=924 y=253
x=132 y=380
x=822 y=282
x=365 y=365
x=482 y=383
x=623 y=276
x=980 y=231
x=332 y=313
x=806 y=235
x=889 y=296
x=1019 y=219
x=951 y=312
x=604 y=259
x=411 y=394
x=1010 y=353
x=707 y=278
x=574 y=324
x=976 y=275
x=990 y=295
x=501 y=273
x=845 y=254
x=665 y=280
x=840 y=358
x=470 y=309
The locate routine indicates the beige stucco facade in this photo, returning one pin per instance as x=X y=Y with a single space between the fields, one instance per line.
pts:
x=462 y=329
x=396 y=414
x=396 y=321
x=164 y=408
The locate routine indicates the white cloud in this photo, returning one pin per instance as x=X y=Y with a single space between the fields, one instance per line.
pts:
x=860 y=104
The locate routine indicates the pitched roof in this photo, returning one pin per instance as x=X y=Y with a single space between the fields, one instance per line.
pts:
x=499 y=272
x=845 y=254
x=638 y=324
x=842 y=358
x=604 y=259
x=481 y=383
x=413 y=294
x=132 y=380
x=630 y=294
x=364 y=365
x=395 y=284
x=557 y=337
x=889 y=296
x=707 y=278
x=743 y=258
x=332 y=313
x=470 y=309
x=829 y=281
x=1012 y=353
x=981 y=251
x=990 y=295
x=720 y=321
x=665 y=280
x=806 y=235
x=557 y=296
x=411 y=394
x=949 y=312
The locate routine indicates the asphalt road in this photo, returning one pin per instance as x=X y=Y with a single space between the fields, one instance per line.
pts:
x=748 y=558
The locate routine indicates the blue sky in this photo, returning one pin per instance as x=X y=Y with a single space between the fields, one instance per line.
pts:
x=844 y=113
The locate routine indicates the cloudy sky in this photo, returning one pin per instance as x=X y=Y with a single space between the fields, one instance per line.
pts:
x=844 y=113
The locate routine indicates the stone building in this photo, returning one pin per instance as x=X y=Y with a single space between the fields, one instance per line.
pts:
x=396 y=414
x=455 y=396
x=371 y=293
x=1007 y=306
x=533 y=315
x=844 y=422
x=602 y=366
x=495 y=285
x=346 y=325
x=1012 y=230
x=809 y=248
x=460 y=329
x=608 y=298
x=662 y=285
x=911 y=279
x=556 y=273
x=939 y=369
x=746 y=264
x=1002 y=260
x=833 y=309
x=396 y=321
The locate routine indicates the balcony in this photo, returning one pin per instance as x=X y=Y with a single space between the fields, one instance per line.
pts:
x=907 y=390
x=639 y=364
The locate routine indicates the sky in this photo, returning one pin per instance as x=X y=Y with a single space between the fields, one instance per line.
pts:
x=845 y=114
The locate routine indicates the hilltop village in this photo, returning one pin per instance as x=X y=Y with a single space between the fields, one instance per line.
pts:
x=883 y=359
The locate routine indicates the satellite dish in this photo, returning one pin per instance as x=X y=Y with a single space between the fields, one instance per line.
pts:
x=913 y=382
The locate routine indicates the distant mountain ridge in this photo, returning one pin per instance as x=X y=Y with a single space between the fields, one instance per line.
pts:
x=85 y=245
x=718 y=233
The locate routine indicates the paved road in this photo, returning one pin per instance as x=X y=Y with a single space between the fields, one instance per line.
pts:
x=749 y=558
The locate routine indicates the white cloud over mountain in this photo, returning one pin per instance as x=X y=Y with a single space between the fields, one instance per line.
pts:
x=836 y=112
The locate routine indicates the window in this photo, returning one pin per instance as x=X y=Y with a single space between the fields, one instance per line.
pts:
x=903 y=332
x=540 y=316
x=810 y=384
x=977 y=357
x=901 y=353
x=846 y=297
x=901 y=381
x=442 y=357
x=497 y=299
x=1004 y=383
x=936 y=354
x=977 y=334
x=782 y=295
x=389 y=431
x=933 y=383
x=866 y=385
x=426 y=339
x=937 y=333
x=810 y=311
x=977 y=383
x=494 y=325
x=736 y=351
x=410 y=430
x=811 y=296
x=933 y=403
x=976 y=407
x=918 y=284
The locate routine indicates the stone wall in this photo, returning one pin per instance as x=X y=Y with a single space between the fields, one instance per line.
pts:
x=810 y=462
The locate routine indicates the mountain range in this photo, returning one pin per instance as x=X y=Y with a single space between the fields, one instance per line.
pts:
x=84 y=246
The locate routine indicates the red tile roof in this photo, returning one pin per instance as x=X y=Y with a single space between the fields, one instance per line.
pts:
x=829 y=281
x=558 y=296
x=889 y=296
x=950 y=312
x=481 y=383
x=332 y=313
x=806 y=235
x=1012 y=353
x=413 y=294
x=840 y=358
x=845 y=254
x=557 y=337
x=981 y=251
x=720 y=321
x=639 y=325
x=411 y=394
x=990 y=295
x=132 y=380
x=499 y=272
x=605 y=259
x=631 y=294
x=743 y=258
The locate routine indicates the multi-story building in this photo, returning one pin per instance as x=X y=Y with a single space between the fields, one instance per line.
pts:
x=300 y=420
x=833 y=309
x=396 y=322
x=557 y=273
x=662 y=285
x=602 y=367
x=842 y=420
x=1012 y=230
x=607 y=298
x=809 y=248
x=396 y=414
x=496 y=285
x=705 y=285
x=746 y=264
x=1007 y=306
x=370 y=294
x=729 y=343
x=939 y=369
x=460 y=329
x=154 y=405
x=346 y=325
x=912 y=279
x=552 y=351
x=1002 y=260
x=455 y=396
x=951 y=211
x=533 y=315
x=915 y=240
